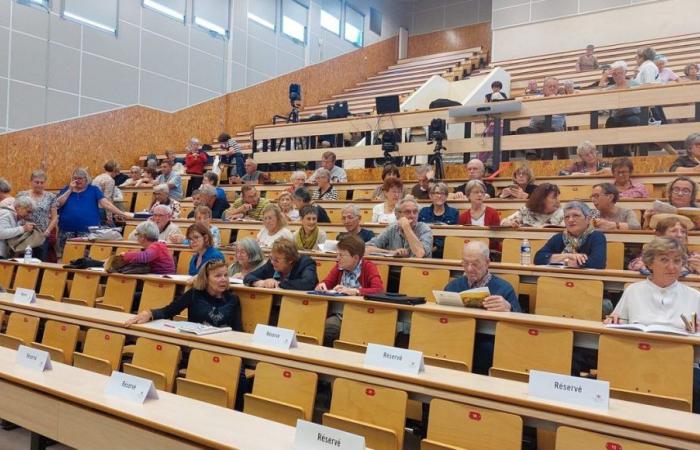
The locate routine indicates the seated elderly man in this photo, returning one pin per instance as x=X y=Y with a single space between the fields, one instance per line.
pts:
x=476 y=170
x=252 y=175
x=661 y=299
x=351 y=217
x=9 y=218
x=406 y=236
x=161 y=196
x=248 y=205
x=162 y=216
x=171 y=179
x=421 y=190
x=475 y=260
x=206 y=196
x=337 y=174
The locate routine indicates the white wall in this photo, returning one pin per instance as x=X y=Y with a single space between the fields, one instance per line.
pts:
x=435 y=15
x=642 y=20
x=53 y=69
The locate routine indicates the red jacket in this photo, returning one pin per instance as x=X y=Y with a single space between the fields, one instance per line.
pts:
x=491 y=217
x=370 y=280
x=195 y=162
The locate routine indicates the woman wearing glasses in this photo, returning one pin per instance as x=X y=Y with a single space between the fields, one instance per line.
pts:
x=680 y=193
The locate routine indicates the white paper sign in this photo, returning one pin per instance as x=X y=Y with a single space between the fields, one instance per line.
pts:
x=24 y=296
x=33 y=358
x=274 y=337
x=396 y=359
x=312 y=436
x=129 y=387
x=567 y=389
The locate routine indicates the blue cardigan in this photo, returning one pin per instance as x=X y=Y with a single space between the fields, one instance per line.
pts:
x=595 y=247
x=497 y=286
x=210 y=253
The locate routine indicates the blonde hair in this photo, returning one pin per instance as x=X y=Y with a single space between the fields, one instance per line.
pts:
x=200 y=280
x=281 y=220
x=525 y=170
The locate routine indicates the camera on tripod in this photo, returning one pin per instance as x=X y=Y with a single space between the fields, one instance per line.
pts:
x=437 y=130
x=294 y=93
x=389 y=142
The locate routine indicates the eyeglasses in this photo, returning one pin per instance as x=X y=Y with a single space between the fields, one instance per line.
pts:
x=439 y=193
x=681 y=191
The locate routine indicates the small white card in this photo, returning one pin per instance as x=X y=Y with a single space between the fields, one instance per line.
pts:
x=567 y=389
x=32 y=358
x=274 y=337
x=129 y=387
x=396 y=359
x=24 y=296
x=312 y=436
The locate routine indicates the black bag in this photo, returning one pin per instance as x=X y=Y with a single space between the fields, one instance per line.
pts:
x=401 y=299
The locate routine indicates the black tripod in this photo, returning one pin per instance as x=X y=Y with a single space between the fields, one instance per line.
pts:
x=436 y=158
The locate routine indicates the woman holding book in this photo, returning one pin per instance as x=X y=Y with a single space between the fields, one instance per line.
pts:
x=661 y=299
x=210 y=301
x=680 y=193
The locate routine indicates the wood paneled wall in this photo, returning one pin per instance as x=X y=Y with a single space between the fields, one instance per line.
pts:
x=449 y=40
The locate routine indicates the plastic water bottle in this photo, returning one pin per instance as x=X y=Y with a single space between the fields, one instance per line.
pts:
x=525 y=253
x=27 y=255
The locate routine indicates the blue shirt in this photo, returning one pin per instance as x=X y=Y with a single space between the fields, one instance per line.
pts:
x=81 y=210
x=209 y=254
x=595 y=247
x=497 y=286
x=220 y=193
x=449 y=217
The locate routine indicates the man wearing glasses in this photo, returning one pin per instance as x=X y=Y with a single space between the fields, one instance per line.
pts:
x=406 y=236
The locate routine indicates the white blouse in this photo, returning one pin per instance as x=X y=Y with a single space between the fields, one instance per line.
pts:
x=265 y=239
x=646 y=303
x=379 y=216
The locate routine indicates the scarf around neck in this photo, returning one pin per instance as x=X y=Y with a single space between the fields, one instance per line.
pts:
x=306 y=241
x=573 y=244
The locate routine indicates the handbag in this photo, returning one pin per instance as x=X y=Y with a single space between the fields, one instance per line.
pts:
x=390 y=297
x=117 y=264
x=32 y=239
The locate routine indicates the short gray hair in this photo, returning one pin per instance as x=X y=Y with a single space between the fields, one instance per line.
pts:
x=323 y=172
x=480 y=246
x=207 y=189
x=585 y=147
x=25 y=201
x=164 y=209
x=441 y=187
x=354 y=209
x=619 y=65
x=297 y=174
x=135 y=169
x=161 y=188
x=252 y=249
x=81 y=173
x=5 y=186
x=148 y=230
x=38 y=174
x=585 y=210
x=662 y=244
x=471 y=184
x=402 y=202
x=691 y=139
x=422 y=170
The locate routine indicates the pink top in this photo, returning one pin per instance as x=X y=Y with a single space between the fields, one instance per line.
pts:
x=637 y=190
x=156 y=255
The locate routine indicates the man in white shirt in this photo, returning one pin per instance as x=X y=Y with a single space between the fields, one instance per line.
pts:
x=338 y=174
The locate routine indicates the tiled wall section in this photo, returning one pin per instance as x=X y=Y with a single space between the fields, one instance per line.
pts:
x=454 y=39
x=428 y=16
x=53 y=69
x=517 y=12
x=125 y=134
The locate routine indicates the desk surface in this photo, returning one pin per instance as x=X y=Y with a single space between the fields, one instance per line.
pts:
x=196 y=422
x=636 y=421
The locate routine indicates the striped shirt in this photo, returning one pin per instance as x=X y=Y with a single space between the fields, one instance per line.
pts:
x=330 y=194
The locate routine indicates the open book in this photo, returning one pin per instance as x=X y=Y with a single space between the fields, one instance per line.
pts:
x=471 y=298
x=198 y=328
x=653 y=328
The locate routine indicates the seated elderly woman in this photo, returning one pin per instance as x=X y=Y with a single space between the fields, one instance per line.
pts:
x=9 y=226
x=690 y=162
x=609 y=216
x=286 y=269
x=439 y=212
x=286 y=205
x=677 y=228
x=249 y=256
x=389 y=171
x=210 y=301
x=309 y=236
x=541 y=209
x=680 y=193
x=478 y=213
x=274 y=226
x=523 y=184
x=691 y=72
x=661 y=299
x=155 y=253
x=393 y=192
x=161 y=196
x=622 y=169
x=298 y=179
x=589 y=164
x=134 y=177
x=579 y=245
x=202 y=243
x=325 y=190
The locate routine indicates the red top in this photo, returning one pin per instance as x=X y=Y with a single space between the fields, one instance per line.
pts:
x=370 y=280
x=492 y=218
x=195 y=162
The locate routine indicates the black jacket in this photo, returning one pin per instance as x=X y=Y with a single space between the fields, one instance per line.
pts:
x=217 y=210
x=302 y=277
